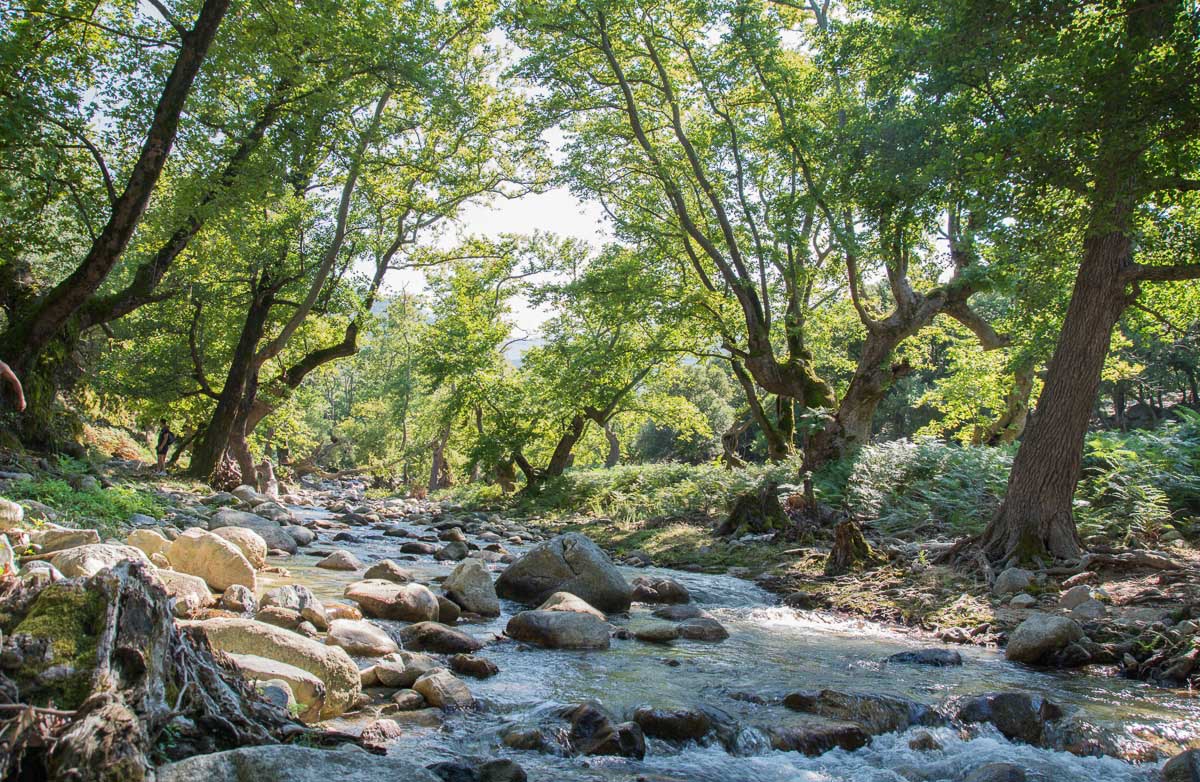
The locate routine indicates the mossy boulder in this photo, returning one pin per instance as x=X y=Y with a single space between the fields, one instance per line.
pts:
x=57 y=643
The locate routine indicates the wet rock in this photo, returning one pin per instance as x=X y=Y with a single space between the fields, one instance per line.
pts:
x=403 y=668
x=408 y=700
x=444 y=690
x=272 y=533
x=655 y=632
x=328 y=663
x=522 y=738
x=470 y=586
x=417 y=547
x=568 y=563
x=474 y=666
x=501 y=770
x=342 y=611
x=1184 y=767
x=565 y=601
x=594 y=732
x=238 y=599
x=380 y=732
x=360 y=638
x=84 y=561
x=449 y=611
x=340 y=560
x=302 y=535
x=387 y=570
x=875 y=713
x=453 y=551
x=438 y=638
x=1040 y=636
x=678 y=613
x=289 y=763
x=673 y=725
x=815 y=736
x=996 y=772
x=1012 y=580
x=702 y=629
x=448 y=771
x=923 y=741
x=1019 y=716
x=659 y=590
x=939 y=658
x=559 y=630
x=387 y=600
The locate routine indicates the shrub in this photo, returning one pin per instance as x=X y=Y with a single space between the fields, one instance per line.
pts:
x=104 y=510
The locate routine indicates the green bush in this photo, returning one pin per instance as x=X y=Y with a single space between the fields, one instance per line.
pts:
x=104 y=510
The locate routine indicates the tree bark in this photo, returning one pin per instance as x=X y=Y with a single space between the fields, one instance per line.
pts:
x=1035 y=519
x=1009 y=427
x=437 y=469
x=29 y=335
x=614 y=447
x=562 y=457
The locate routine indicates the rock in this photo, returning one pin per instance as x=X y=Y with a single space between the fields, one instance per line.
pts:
x=659 y=590
x=387 y=570
x=150 y=541
x=655 y=632
x=307 y=689
x=275 y=512
x=380 y=732
x=875 y=713
x=568 y=563
x=417 y=547
x=473 y=665
x=565 y=601
x=219 y=499
x=279 y=617
x=438 y=638
x=1074 y=596
x=408 y=700
x=360 y=638
x=250 y=495
x=702 y=628
x=815 y=736
x=328 y=663
x=290 y=763
x=238 y=599
x=923 y=741
x=939 y=658
x=1089 y=610
x=58 y=539
x=249 y=542
x=595 y=732
x=501 y=770
x=470 y=586
x=386 y=600
x=8 y=559
x=444 y=690
x=182 y=586
x=678 y=613
x=996 y=772
x=453 y=551
x=1023 y=600
x=342 y=611
x=340 y=560
x=559 y=630
x=403 y=669
x=673 y=725
x=1012 y=580
x=91 y=559
x=302 y=535
x=517 y=737
x=299 y=598
x=448 y=771
x=270 y=531
x=278 y=693
x=1040 y=636
x=1019 y=716
x=216 y=560
x=11 y=514
x=1184 y=767
x=449 y=611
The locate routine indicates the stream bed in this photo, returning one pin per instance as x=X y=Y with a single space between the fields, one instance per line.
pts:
x=772 y=650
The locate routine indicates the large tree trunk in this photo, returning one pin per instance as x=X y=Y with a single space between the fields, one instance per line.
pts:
x=30 y=334
x=560 y=460
x=1035 y=518
x=207 y=454
x=438 y=469
x=614 y=447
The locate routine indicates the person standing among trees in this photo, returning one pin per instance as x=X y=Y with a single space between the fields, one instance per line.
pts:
x=8 y=377
x=165 y=438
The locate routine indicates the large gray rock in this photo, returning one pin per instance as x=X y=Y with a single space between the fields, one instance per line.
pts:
x=1020 y=716
x=250 y=495
x=212 y=558
x=290 y=763
x=1184 y=767
x=875 y=713
x=330 y=664
x=559 y=630
x=388 y=600
x=438 y=638
x=1011 y=580
x=444 y=690
x=470 y=586
x=11 y=514
x=568 y=563
x=1040 y=636
x=360 y=638
x=183 y=586
x=271 y=532
x=89 y=560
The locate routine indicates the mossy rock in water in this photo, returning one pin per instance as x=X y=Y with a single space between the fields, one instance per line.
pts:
x=66 y=618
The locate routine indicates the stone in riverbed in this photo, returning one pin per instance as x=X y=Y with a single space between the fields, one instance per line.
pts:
x=501 y=770
x=453 y=551
x=1040 y=637
x=565 y=601
x=938 y=658
x=360 y=638
x=473 y=665
x=387 y=600
x=307 y=689
x=875 y=713
x=150 y=541
x=679 y=613
x=673 y=725
x=220 y=563
x=238 y=599
x=438 y=638
x=289 y=763
x=1184 y=767
x=559 y=630
x=417 y=547
x=249 y=542
x=387 y=570
x=270 y=531
x=1019 y=716
x=470 y=586
x=647 y=589
x=84 y=561
x=184 y=587
x=568 y=563
x=816 y=735
x=702 y=628
x=595 y=732
x=655 y=631
x=340 y=560
x=444 y=690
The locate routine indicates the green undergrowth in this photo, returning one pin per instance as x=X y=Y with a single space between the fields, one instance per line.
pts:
x=105 y=510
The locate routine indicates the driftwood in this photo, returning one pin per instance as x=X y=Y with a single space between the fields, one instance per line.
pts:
x=155 y=692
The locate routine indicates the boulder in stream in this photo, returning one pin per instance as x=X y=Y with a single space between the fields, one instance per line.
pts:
x=1041 y=636
x=673 y=724
x=289 y=763
x=1184 y=767
x=220 y=563
x=1020 y=716
x=559 y=630
x=875 y=713
x=360 y=638
x=470 y=586
x=388 y=600
x=567 y=563
x=270 y=531
x=438 y=638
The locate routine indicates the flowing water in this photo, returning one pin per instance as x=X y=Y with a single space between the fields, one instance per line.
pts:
x=772 y=650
